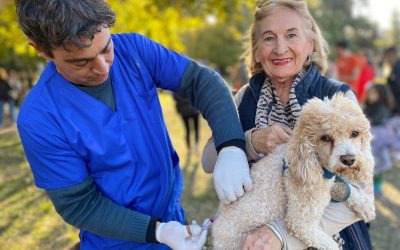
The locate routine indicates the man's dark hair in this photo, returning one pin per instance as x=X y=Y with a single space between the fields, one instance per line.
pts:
x=54 y=23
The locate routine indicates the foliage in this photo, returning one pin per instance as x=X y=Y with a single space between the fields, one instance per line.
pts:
x=221 y=44
x=163 y=24
x=337 y=22
x=14 y=50
x=395 y=29
x=164 y=21
x=182 y=26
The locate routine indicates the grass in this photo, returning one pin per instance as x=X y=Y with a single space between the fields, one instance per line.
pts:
x=29 y=221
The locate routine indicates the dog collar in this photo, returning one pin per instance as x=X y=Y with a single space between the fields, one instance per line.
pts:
x=327 y=174
x=284 y=167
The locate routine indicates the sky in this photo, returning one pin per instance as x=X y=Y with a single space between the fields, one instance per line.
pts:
x=380 y=11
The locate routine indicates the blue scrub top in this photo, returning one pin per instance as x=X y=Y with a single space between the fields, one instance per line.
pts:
x=68 y=135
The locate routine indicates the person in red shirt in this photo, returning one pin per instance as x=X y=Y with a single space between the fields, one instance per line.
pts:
x=348 y=66
x=367 y=75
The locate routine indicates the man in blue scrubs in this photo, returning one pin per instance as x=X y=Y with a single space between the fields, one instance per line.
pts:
x=93 y=132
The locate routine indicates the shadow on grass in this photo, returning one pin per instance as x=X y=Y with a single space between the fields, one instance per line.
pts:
x=15 y=185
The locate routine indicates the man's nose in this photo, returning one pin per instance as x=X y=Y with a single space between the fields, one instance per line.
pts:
x=100 y=66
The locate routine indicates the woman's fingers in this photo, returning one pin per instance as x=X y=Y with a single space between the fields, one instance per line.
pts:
x=265 y=140
x=280 y=134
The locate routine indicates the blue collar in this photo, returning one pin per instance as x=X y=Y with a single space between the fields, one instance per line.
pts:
x=325 y=172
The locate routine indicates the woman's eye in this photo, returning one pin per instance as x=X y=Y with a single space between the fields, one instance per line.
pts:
x=354 y=134
x=292 y=35
x=268 y=39
x=325 y=138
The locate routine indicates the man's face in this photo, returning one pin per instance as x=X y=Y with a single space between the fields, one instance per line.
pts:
x=86 y=66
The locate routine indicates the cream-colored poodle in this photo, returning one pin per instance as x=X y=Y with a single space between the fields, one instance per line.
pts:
x=333 y=135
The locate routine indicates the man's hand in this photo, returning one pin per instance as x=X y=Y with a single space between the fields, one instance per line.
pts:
x=265 y=140
x=262 y=238
x=231 y=174
x=181 y=237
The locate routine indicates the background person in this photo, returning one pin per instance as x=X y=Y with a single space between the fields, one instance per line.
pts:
x=190 y=118
x=6 y=98
x=378 y=112
x=93 y=132
x=393 y=81
x=348 y=66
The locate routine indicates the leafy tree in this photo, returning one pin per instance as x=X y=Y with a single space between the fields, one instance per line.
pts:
x=337 y=22
x=395 y=29
x=222 y=44
x=14 y=50
x=181 y=25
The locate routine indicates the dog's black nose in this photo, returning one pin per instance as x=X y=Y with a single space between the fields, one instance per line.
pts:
x=348 y=159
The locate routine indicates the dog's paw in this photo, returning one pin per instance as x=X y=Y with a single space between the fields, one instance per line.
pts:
x=366 y=215
x=365 y=211
x=362 y=204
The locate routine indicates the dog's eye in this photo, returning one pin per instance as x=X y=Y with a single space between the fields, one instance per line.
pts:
x=354 y=134
x=326 y=138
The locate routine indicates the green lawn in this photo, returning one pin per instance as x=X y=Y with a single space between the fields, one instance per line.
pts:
x=28 y=220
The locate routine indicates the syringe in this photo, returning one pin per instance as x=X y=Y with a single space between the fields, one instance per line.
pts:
x=210 y=221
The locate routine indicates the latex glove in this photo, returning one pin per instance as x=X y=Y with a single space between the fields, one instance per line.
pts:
x=177 y=237
x=231 y=174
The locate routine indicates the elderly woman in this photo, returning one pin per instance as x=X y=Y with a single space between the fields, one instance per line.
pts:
x=286 y=57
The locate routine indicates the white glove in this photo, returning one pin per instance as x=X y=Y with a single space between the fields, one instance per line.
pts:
x=231 y=174
x=177 y=237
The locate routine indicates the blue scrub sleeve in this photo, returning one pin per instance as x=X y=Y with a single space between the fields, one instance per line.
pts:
x=82 y=206
x=209 y=93
x=53 y=162
x=205 y=88
x=165 y=66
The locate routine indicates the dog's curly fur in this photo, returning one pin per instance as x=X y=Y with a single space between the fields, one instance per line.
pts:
x=325 y=131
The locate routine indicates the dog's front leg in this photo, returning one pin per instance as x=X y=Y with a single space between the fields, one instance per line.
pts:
x=361 y=203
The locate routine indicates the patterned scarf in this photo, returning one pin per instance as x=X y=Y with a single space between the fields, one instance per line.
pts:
x=270 y=109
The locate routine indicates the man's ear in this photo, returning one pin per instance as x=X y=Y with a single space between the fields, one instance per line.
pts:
x=39 y=50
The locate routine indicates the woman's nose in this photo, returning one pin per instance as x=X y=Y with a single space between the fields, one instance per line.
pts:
x=280 y=46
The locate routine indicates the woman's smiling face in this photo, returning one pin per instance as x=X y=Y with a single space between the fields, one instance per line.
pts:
x=283 y=45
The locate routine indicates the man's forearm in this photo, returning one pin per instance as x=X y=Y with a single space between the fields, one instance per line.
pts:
x=209 y=93
x=82 y=206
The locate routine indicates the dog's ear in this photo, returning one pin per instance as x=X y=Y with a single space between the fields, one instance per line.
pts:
x=303 y=161
x=301 y=155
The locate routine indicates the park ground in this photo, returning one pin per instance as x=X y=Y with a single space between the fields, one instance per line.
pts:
x=29 y=221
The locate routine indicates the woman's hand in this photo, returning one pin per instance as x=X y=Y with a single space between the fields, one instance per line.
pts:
x=262 y=238
x=265 y=140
